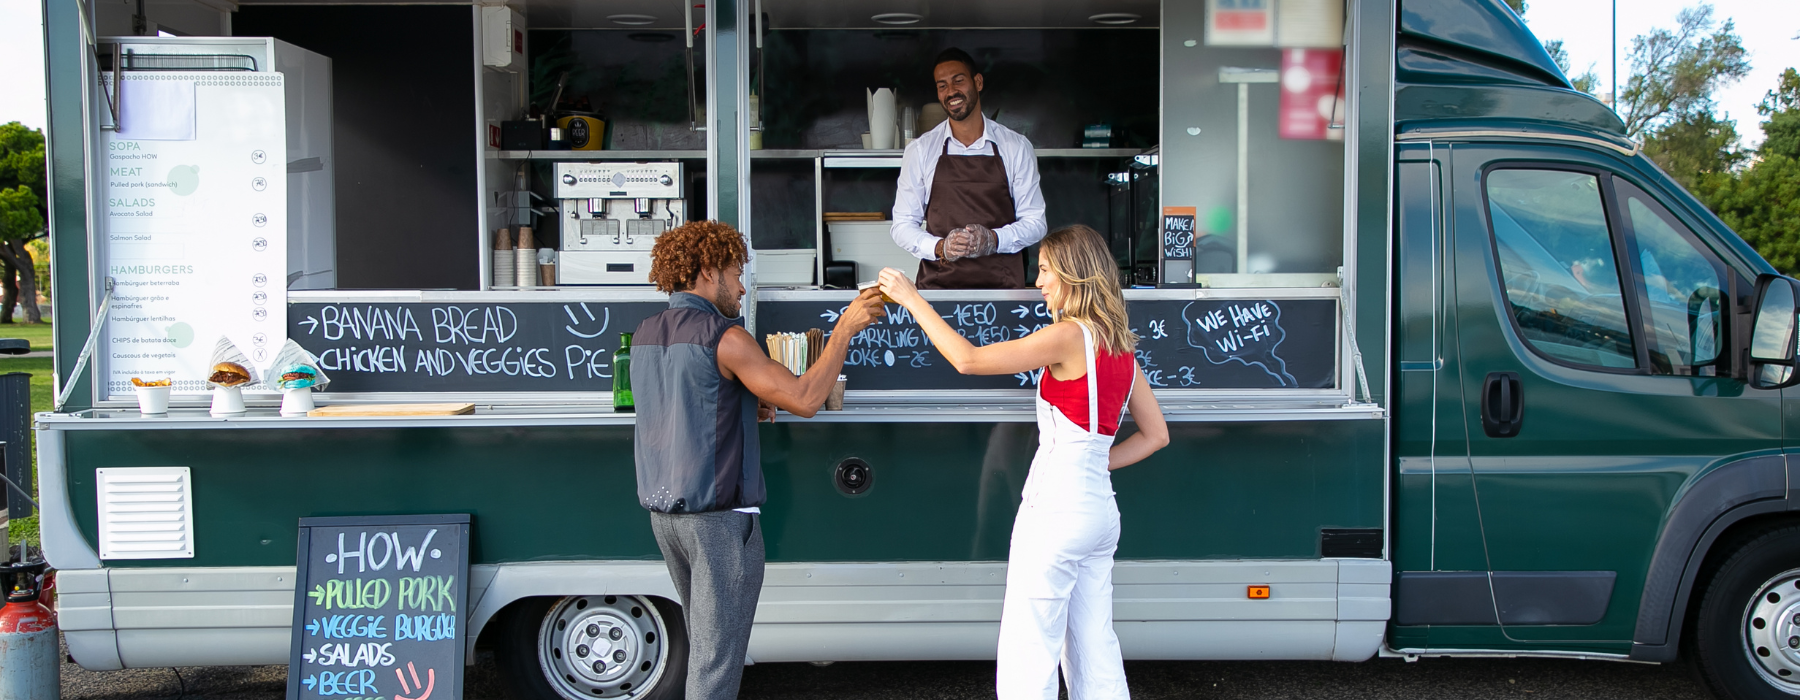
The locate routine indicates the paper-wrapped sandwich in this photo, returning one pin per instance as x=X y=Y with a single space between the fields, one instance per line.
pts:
x=229 y=374
x=296 y=373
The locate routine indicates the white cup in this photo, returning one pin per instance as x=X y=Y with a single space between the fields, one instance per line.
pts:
x=227 y=400
x=153 y=400
x=296 y=402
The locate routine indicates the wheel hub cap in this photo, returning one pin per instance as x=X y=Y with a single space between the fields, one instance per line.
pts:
x=1772 y=631
x=602 y=647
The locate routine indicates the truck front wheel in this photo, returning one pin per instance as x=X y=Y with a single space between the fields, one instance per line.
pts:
x=588 y=647
x=1746 y=642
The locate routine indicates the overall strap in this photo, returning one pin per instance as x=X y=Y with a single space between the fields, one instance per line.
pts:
x=1093 y=382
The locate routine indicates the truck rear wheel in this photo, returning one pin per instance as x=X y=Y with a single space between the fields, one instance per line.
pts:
x=1746 y=643
x=588 y=647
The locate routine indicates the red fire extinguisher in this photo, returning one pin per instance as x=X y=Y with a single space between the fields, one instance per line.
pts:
x=29 y=667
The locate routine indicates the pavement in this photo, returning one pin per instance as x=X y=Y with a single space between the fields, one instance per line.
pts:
x=1390 y=679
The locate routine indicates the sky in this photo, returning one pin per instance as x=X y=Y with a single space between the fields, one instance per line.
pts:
x=1768 y=28
x=22 y=55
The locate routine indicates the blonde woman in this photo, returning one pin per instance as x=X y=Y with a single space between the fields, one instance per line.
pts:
x=1059 y=571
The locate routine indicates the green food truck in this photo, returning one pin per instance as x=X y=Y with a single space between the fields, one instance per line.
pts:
x=1450 y=367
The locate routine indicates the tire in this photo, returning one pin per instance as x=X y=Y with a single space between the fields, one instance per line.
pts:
x=1746 y=641
x=547 y=647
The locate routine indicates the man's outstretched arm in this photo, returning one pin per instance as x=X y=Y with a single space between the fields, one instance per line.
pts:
x=742 y=359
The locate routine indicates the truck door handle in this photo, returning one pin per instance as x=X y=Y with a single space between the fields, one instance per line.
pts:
x=1502 y=405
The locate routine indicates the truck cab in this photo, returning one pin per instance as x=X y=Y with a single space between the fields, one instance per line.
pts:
x=1588 y=448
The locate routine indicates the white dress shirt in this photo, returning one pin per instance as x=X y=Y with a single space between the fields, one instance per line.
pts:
x=919 y=167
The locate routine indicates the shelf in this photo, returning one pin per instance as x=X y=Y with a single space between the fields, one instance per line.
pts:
x=1088 y=152
x=834 y=158
x=860 y=158
x=594 y=155
x=784 y=153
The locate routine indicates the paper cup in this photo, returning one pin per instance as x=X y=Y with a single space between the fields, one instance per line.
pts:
x=296 y=402
x=227 y=400
x=505 y=271
x=835 y=400
x=866 y=140
x=525 y=267
x=153 y=400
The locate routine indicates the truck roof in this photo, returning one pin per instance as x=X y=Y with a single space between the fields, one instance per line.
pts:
x=1475 y=59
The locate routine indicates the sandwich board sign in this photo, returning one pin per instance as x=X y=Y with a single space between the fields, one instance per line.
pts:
x=380 y=607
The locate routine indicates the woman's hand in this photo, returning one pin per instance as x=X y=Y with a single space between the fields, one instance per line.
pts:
x=897 y=287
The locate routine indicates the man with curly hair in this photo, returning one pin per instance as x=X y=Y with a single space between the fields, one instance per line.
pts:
x=701 y=384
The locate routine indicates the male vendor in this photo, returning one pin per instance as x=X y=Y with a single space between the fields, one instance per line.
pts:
x=701 y=383
x=968 y=198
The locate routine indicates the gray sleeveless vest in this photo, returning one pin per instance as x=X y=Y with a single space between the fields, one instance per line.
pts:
x=696 y=443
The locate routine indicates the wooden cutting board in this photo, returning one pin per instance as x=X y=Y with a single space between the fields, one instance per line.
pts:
x=393 y=409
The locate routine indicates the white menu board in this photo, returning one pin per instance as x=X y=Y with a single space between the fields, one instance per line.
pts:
x=195 y=226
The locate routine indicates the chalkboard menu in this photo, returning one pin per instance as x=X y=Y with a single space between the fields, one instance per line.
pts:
x=380 y=608
x=1183 y=343
x=1178 y=233
x=422 y=347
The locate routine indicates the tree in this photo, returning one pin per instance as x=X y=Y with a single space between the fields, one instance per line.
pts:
x=1518 y=7
x=1762 y=203
x=1674 y=73
x=1586 y=82
x=22 y=198
x=1694 y=145
x=1781 y=133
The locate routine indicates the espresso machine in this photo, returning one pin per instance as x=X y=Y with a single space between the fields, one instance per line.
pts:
x=612 y=214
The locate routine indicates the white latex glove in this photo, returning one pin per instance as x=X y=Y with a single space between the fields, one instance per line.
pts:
x=981 y=241
x=957 y=244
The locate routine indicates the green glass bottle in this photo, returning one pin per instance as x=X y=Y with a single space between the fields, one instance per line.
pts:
x=622 y=375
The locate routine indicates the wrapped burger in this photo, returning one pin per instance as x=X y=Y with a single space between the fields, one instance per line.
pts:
x=230 y=372
x=296 y=373
x=295 y=368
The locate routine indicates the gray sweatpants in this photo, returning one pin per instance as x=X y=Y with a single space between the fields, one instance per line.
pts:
x=716 y=561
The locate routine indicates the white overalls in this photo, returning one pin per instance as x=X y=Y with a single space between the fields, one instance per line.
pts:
x=1059 y=572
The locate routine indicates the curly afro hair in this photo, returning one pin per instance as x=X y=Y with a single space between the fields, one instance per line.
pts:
x=682 y=252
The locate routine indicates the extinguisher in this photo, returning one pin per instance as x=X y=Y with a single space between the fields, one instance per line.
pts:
x=29 y=665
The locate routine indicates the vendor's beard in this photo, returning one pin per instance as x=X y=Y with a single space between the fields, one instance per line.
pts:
x=727 y=303
x=963 y=112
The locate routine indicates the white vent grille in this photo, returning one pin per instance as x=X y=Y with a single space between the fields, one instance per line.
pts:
x=145 y=513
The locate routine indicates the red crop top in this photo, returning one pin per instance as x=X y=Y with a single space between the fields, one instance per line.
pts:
x=1116 y=370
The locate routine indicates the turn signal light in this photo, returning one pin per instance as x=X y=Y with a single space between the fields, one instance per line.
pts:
x=1258 y=592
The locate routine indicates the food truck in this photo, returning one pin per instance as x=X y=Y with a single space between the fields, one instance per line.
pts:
x=1450 y=367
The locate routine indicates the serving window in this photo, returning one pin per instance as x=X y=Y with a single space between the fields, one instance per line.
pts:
x=1253 y=140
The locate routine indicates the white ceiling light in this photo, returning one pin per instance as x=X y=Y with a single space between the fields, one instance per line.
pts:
x=631 y=20
x=1115 y=18
x=897 y=18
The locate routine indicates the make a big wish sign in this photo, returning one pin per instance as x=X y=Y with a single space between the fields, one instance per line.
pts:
x=379 y=608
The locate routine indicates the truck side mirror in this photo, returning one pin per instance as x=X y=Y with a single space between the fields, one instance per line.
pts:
x=1772 y=342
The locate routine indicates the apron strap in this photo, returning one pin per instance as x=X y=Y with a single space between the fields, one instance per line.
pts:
x=1093 y=382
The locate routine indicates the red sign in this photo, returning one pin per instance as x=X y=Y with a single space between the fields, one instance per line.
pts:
x=1312 y=94
x=1241 y=19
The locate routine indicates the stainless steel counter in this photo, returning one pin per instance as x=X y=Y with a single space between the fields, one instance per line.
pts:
x=1245 y=408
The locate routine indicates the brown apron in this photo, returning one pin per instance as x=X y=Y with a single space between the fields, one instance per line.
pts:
x=970 y=190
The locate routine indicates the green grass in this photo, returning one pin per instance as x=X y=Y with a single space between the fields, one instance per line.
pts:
x=41 y=396
x=42 y=377
x=23 y=530
x=37 y=333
